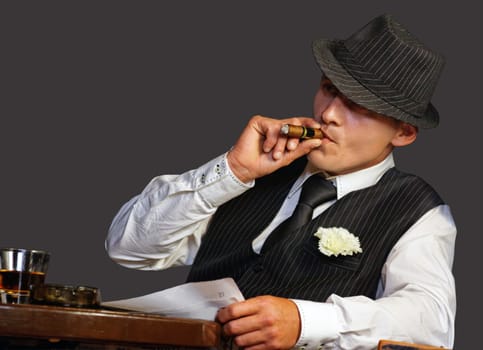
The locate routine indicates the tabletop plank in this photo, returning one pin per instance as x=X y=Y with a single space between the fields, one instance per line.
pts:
x=105 y=326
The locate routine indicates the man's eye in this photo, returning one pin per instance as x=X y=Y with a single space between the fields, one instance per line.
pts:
x=331 y=89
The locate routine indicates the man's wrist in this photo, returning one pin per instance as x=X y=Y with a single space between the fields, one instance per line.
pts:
x=241 y=172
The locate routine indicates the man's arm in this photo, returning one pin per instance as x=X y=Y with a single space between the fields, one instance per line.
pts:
x=417 y=302
x=162 y=226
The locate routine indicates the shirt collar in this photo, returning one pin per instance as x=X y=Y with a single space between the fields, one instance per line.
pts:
x=350 y=182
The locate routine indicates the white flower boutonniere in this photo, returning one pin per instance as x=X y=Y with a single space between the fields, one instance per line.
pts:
x=337 y=241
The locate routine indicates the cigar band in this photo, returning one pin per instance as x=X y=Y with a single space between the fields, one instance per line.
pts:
x=307 y=132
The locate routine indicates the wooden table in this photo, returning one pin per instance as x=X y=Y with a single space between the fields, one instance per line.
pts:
x=39 y=326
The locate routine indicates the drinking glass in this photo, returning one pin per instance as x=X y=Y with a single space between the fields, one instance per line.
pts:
x=20 y=270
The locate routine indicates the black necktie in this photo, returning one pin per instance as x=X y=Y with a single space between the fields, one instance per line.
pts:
x=315 y=191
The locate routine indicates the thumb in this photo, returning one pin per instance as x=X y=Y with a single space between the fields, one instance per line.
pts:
x=302 y=149
x=306 y=146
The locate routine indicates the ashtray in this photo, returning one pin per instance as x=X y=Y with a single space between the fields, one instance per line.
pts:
x=65 y=295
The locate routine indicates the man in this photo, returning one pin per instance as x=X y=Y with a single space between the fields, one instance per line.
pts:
x=382 y=265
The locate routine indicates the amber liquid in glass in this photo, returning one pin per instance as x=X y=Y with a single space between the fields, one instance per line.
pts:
x=15 y=285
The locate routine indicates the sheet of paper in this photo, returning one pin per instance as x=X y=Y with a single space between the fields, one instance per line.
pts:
x=198 y=300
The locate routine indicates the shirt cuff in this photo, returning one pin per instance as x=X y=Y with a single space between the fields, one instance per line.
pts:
x=216 y=182
x=319 y=324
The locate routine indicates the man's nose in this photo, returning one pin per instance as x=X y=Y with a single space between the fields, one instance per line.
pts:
x=333 y=113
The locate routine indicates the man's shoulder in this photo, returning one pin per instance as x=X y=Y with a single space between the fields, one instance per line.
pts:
x=405 y=181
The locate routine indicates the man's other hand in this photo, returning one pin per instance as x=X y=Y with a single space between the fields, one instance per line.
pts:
x=263 y=322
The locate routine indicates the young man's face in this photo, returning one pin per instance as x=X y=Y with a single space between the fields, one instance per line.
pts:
x=356 y=138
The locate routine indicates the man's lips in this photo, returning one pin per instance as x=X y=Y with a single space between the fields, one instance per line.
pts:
x=327 y=138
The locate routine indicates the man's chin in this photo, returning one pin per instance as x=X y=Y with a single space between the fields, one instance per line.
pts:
x=318 y=160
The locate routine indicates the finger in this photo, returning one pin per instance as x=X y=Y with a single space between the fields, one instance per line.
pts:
x=252 y=339
x=268 y=129
x=292 y=143
x=273 y=139
x=258 y=340
x=281 y=146
x=237 y=310
x=304 y=147
x=241 y=326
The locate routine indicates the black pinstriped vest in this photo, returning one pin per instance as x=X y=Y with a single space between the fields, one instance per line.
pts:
x=294 y=267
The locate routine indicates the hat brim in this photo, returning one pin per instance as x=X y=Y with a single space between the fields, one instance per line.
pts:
x=323 y=51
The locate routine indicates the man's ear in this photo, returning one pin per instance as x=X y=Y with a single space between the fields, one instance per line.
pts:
x=405 y=134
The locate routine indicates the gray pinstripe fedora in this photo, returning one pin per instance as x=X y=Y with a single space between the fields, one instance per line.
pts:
x=384 y=68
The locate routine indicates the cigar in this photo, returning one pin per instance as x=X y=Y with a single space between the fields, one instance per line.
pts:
x=302 y=132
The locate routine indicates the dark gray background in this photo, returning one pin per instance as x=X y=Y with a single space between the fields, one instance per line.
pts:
x=98 y=97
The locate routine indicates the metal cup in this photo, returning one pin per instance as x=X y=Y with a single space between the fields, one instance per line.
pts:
x=20 y=270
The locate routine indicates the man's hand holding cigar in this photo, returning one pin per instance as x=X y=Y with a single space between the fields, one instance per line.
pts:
x=262 y=148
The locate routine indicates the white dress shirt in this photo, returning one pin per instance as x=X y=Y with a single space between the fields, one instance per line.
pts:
x=415 y=302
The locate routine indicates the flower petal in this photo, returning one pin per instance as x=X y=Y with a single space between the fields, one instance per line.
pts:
x=337 y=241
